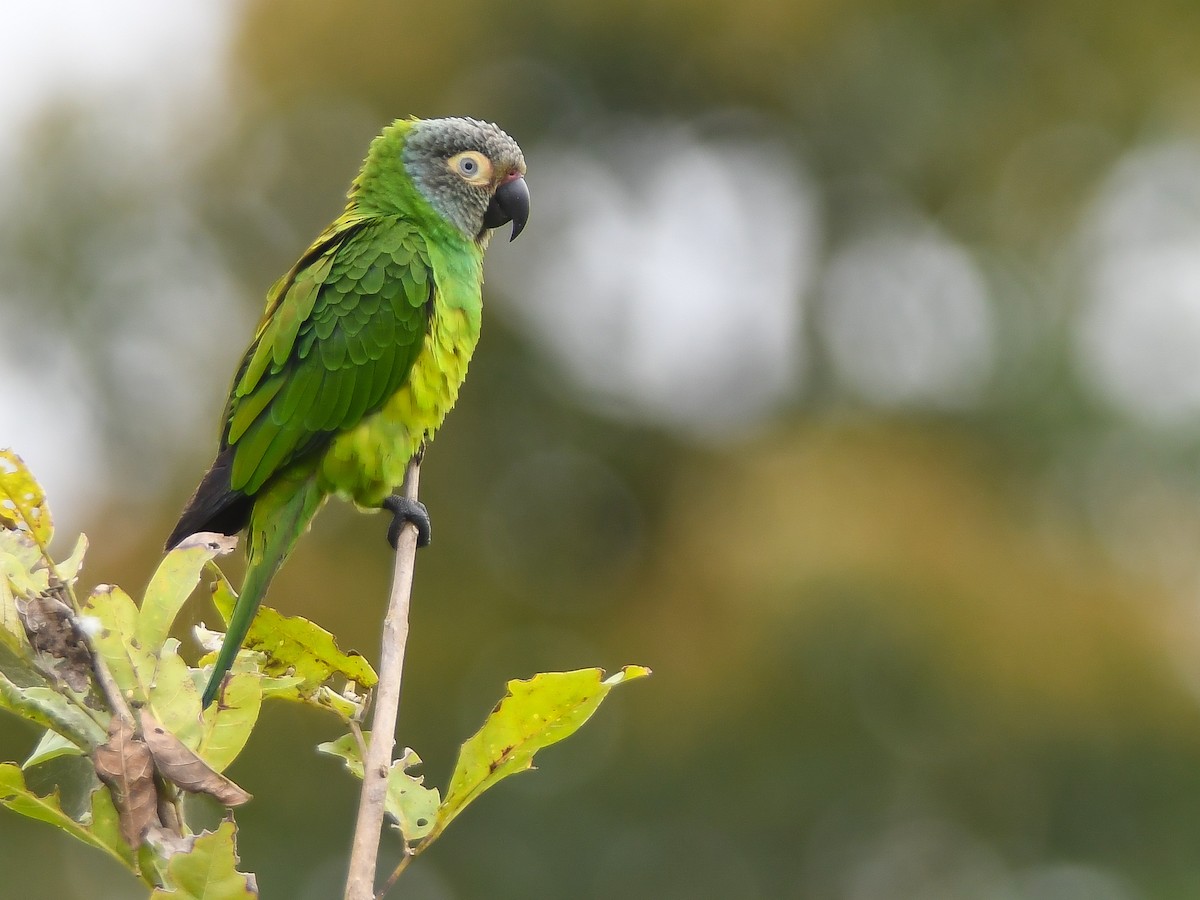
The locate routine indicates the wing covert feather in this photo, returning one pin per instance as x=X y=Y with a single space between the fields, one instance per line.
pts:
x=339 y=336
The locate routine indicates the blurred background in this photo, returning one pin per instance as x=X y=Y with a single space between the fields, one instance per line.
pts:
x=848 y=374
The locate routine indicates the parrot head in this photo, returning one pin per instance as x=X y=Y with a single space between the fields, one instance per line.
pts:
x=470 y=172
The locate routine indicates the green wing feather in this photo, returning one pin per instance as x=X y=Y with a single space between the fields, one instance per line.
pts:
x=338 y=338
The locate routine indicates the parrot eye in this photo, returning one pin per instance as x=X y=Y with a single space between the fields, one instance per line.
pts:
x=472 y=166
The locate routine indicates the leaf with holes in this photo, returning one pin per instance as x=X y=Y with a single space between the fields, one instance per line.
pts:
x=412 y=805
x=20 y=577
x=292 y=645
x=22 y=500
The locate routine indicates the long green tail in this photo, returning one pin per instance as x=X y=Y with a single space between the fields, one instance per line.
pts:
x=280 y=515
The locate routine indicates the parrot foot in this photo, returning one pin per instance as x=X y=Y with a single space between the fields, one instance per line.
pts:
x=404 y=511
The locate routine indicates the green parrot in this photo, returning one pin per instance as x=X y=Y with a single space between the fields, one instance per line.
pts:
x=361 y=351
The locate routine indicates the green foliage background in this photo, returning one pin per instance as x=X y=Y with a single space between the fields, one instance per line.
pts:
x=901 y=650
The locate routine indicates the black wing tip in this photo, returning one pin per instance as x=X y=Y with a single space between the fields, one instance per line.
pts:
x=215 y=506
x=231 y=517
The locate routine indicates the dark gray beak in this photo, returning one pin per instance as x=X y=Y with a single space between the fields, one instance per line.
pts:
x=510 y=203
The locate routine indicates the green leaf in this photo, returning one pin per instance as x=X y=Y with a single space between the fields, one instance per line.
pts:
x=105 y=826
x=295 y=646
x=16 y=575
x=22 y=574
x=228 y=722
x=412 y=805
x=208 y=871
x=68 y=569
x=52 y=746
x=536 y=713
x=173 y=582
x=18 y=797
x=174 y=697
x=19 y=552
x=112 y=636
x=52 y=710
x=345 y=748
x=289 y=687
x=347 y=707
x=22 y=500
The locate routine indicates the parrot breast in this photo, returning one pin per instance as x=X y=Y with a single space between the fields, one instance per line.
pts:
x=368 y=462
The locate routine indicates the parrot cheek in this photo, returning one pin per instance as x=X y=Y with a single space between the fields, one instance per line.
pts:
x=510 y=203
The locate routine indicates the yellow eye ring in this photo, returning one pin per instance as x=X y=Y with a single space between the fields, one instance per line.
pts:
x=471 y=166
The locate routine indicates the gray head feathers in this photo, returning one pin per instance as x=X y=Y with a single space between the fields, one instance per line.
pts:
x=460 y=188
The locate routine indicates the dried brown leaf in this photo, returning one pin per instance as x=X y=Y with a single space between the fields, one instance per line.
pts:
x=125 y=764
x=184 y=768
x=51 y=629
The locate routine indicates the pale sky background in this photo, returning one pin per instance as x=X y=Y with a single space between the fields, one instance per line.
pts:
x=150 y=64
x=690 y=310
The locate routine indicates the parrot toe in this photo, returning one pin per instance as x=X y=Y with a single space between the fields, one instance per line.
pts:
x=404 y=511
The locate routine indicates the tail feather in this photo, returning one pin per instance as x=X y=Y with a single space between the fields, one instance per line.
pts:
x=280 y=514
x=215 y=506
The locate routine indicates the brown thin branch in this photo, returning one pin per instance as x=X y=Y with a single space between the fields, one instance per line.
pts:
x=360 y=881
x=409 y=855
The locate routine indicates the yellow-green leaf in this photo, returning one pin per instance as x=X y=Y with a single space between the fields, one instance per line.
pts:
x=295 y=646
x=173 y=582
x=345 y=748
x=17 y=796
x=22 y=500
x=346 y=706
x=18 y=556
x=208 y=871
x=536 y=713
x=412 y=805
x=409 y=802
x=291 y=687
x=23 y=574
x=114 y=618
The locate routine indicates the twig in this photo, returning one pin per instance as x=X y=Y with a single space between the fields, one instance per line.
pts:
x=65 y=592
x=360 y=881
x=409 y=855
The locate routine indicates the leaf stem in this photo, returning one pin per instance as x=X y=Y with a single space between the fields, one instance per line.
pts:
x=105 y=681
x=360 y=880
x=409 y=856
